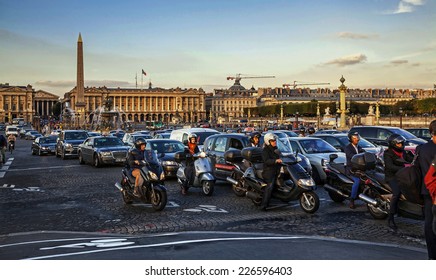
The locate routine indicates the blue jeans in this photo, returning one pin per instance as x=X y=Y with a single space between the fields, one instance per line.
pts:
x=355 y=187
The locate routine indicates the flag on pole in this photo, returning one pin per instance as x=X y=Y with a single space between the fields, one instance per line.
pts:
x=143 y=72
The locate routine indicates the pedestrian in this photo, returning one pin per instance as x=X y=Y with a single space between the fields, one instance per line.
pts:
x=425 y=154
x=271 y=167
x=3 y=146
x=395 y=158
x=350 y=150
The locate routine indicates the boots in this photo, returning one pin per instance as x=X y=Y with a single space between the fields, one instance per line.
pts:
x=136 y=192
x=391 y=222
x=352 y=206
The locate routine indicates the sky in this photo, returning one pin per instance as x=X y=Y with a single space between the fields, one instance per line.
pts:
x=199 y=43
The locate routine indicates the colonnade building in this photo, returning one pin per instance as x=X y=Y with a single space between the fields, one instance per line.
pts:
x=143 y=105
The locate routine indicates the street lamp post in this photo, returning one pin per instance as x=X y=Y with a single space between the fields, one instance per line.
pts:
x=318 y=116
x=281 y=113
x=296 y=120
x=401 y=117
x=425 y=118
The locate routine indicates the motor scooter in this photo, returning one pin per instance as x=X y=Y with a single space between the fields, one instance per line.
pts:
x=203 y=178
x=152 y=190
x=293 y=183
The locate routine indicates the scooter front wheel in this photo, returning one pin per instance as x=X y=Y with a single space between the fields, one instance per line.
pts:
x=208 y=187
x=309 y=202
x=159 y=199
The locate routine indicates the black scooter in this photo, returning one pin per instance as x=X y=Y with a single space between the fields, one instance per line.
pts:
x=152 y=190
x=293 y=183
x=373 y=189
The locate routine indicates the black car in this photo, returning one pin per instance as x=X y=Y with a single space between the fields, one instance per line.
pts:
x=216 y=145
x=340 y=141
x=101 y=150
x=423 y=133
x=166 y=149
x=378 y=135
x=44 y=145
x=68 y=142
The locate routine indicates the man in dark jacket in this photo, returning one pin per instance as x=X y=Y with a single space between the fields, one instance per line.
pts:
x=134 y=158
x=395 y=159
x=271 y=166
x=425 y=154
x=350 y=150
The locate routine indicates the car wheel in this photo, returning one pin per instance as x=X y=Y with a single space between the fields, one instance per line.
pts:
x=63 y=154
x=33 y=152
x=96 y=161
x=81 y=161
x=39 y=152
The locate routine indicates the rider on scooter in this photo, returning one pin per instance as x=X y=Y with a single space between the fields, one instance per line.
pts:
x=254 y=139
x=189 y=170
x=134 y=158
x=271 y=166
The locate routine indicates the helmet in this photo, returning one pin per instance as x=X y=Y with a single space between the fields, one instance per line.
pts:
x=269 y=137
x=311 y=130
x=254 y=135
x=302 y=130
x=192 y=135
x=395 y=139
x=351 y=134
x=139 y=142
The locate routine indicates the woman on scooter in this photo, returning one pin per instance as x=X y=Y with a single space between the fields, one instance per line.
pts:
x=189 y=170
x=395 y=159
x=271 y=167
x=135 y=157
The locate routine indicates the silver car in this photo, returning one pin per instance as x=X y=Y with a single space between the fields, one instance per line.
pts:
x=318 y=152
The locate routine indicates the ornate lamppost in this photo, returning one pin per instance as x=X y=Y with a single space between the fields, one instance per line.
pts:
x=281 y=113
x=296 y=120
x=401 y=117
x=342 y=109
x=318 y=116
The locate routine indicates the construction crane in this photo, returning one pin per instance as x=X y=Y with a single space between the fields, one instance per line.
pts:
x=297 y=83
x=238 y=78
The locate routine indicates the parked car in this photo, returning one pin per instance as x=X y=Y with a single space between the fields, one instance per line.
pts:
x=101 y=150
x=44 y=145
x=166 y=149
x=68 y=142
x=317 y=151
x=423 y=133
x=378 y=135
x=340 y=141
x=32 y=135
x=93 y=133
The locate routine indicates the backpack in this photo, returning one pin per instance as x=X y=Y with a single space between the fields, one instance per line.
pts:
x=430 y=180
x=409 y=179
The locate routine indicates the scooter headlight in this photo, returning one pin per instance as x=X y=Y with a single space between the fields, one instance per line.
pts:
x=306 y=182
x=153 y=176
x=162 y=176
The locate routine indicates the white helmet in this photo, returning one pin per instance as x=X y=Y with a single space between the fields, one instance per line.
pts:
x=268 y=137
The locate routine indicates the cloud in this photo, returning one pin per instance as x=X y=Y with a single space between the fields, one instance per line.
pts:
x=407 y=6
x=348 y=60
x=399 y=61
x=350 y=35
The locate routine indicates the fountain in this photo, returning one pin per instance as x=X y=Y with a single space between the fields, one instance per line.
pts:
x=106 y=117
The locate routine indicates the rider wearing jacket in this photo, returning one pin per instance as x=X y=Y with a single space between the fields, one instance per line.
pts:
x=254 y=139
x=190 y=170
x=271 y=167
x=134 y=158
x=395 y=159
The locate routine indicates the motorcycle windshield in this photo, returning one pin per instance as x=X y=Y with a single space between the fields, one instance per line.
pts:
x=150 y=156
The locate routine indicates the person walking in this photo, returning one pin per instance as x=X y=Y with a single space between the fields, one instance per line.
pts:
x=350 y=150
x=271 y=167
x=3 y=145
x=425 y=154
x=395 y=158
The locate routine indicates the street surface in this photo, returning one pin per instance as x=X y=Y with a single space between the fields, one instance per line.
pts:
x=46 y=198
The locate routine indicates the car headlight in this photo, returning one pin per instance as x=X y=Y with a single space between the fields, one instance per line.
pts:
x=168 y=162
x=306 y=182
x=106 y=154
x=152 y=175
x=162 y=176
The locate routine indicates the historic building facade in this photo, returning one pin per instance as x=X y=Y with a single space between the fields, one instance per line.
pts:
x=142 y=105
x=24 y=102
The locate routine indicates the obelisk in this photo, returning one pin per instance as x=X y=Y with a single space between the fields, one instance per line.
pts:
x=80 y=85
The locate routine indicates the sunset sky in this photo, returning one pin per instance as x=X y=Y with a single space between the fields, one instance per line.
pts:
x=198 y=43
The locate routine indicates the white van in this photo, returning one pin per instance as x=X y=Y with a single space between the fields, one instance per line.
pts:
x=202 y=134
x=11 y=129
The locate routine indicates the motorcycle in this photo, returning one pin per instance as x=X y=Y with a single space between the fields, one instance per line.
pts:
x=11 y=146
x=293 y=183
x=203 y=178
x=373 y=190
x=152 y=190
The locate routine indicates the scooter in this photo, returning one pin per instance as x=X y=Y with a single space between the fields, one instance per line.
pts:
x=152 y=190
x=11 y=146
x=293 y=183
x=203 y=178
x=373 y=190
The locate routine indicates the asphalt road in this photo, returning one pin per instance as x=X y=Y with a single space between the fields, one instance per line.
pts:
x=49 y=202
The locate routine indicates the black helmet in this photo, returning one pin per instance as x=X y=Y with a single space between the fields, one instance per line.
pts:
x=139 y=142
x=302 y=130
x=254 y=135
x=311 y=130
x=395 y=139
x=351 y=134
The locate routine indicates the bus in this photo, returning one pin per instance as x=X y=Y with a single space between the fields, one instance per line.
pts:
x=18 y=121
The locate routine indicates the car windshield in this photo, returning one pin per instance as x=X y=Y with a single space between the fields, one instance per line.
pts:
x=166 y=147
x=47 y=140
x=317 y=146
x=362 y=142
x=403 y=133
x=107 y=142
x=79 y=135
x=201 y=136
